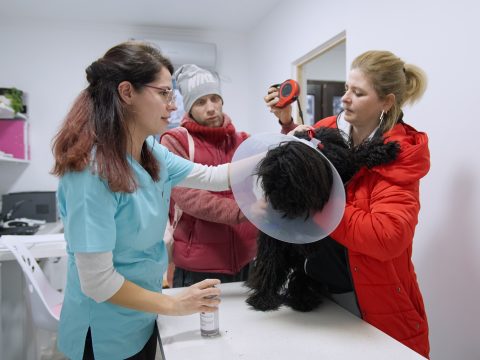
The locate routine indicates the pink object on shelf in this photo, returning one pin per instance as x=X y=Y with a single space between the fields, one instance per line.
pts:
x=14 y=138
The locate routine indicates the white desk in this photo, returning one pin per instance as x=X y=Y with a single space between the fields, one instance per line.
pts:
x=329 y=333
x=16 y=329
x=47 y=242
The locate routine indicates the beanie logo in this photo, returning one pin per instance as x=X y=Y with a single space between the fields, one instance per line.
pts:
x=200 y=79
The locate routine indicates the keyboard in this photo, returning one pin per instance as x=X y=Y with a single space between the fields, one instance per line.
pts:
x=21 y=230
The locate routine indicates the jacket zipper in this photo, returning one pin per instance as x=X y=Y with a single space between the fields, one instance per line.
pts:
x=189 y=245
x=353 y=283
x=234 y=252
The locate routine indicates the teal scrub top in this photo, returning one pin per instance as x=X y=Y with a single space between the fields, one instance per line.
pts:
x=131 y=226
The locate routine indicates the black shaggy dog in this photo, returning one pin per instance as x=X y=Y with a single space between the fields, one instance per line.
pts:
x=296 y=181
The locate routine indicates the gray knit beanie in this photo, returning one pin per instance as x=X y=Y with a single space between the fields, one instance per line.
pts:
x=195 y=82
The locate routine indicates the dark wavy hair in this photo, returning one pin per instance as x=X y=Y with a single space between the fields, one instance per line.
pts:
x=95 y=131
x=295 y=178
x=348 y=160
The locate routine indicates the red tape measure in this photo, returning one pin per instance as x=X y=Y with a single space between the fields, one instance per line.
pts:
x=288 y=92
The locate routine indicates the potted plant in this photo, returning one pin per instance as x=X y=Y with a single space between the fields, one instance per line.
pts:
x=11 y=103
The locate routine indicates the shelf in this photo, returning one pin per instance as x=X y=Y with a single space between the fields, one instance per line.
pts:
x=6 y=159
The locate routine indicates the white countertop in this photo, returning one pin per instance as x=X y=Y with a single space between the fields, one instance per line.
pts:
x=328 y=333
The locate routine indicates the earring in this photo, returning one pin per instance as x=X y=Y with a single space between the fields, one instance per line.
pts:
x=382 y=115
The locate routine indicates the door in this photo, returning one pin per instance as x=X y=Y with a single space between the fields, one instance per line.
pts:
x=324 y=98
x=322 y=74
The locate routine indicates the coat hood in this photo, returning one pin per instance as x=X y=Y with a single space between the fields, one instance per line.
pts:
x=413 y=161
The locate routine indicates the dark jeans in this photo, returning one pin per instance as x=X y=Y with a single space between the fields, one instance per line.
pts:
x=183 y=277
x=147 y=353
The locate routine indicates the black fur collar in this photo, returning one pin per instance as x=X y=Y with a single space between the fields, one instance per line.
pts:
x=348 y=160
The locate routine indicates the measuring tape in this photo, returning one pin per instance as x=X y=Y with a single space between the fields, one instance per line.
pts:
x=288 y=92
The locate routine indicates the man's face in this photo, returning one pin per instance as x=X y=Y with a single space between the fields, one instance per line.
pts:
x=207 y=111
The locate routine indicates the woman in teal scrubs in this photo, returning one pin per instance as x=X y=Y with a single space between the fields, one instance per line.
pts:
x=113 y=195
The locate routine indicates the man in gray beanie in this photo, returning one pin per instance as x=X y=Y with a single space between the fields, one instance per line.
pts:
x=212 y=239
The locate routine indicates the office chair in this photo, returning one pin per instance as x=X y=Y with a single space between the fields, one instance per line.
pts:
x=45 y=301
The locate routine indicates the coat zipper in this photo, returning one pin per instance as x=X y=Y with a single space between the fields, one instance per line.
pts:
x=353 y=283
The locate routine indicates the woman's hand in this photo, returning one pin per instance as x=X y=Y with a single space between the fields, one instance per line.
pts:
x=300 y=128
x=202 y=296
x=259 y=208
x=283 y=114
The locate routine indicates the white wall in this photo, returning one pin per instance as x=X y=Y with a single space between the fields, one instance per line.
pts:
x=48 y=61
x=440 y=37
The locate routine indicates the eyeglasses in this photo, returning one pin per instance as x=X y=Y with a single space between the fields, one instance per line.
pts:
x=167 y=94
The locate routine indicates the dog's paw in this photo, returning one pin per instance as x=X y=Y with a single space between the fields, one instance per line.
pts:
x=264 y=303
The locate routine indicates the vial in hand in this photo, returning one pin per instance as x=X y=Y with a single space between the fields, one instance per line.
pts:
x=209 y=322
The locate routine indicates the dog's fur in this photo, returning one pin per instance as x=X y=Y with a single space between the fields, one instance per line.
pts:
x=296 y=181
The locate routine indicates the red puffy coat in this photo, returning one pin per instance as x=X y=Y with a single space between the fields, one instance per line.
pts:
x=212 y=234
x=377 y=229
